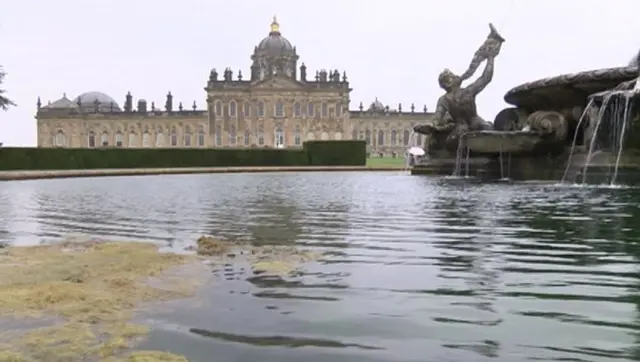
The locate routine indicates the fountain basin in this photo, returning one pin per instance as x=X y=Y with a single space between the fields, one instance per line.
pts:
x=495 y=142
x=568 y=90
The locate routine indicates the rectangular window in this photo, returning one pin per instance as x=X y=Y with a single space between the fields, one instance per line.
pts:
x=260 y=138
x=247 y=109
x=278 y=110
x=324 y=110
x=260 y=109
x=119 y=140
x=174 y=139
x=297 y=109
x=232 y=136
x=247 y=138
x=218 y=135
x=187 y=139
x=311 y=109
x=201 y=139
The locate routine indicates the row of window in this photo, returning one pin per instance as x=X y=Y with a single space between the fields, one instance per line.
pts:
x=279 y=137
x=60 y=139
x=325 y=109
x=381 y=137
x=199 y=139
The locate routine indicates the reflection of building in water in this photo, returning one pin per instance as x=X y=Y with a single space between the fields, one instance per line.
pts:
x=274 y=220
x=278 y=103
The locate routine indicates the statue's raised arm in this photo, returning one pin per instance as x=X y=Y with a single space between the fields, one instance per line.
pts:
x=489 y=49
x=456 y=111
x=483 y=81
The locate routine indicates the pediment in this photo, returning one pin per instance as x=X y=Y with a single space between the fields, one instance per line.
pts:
x=278 y=82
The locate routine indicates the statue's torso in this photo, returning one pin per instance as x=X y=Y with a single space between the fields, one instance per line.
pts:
x=461 y=105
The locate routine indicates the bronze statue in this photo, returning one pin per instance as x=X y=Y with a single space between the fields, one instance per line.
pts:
x=456 y=110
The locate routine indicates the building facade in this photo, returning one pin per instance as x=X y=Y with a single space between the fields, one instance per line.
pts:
x=279 y=104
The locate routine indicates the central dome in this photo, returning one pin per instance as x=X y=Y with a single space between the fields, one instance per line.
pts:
x=104 y=102
x=275 y=42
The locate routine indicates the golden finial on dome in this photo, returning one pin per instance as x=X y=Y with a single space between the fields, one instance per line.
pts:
x=275 y=27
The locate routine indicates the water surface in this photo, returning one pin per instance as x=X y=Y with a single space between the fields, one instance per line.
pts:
x=419 y=269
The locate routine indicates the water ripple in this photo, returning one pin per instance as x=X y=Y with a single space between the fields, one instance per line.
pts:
x=416 y=269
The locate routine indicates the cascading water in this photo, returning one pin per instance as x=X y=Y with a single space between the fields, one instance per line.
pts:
x=466 y=173
x=613 y=120
x=461 y=147
x=625 y=117
x=575 y=138
x=609 y=127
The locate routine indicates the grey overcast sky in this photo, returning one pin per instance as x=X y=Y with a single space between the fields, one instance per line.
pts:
x=392 y=50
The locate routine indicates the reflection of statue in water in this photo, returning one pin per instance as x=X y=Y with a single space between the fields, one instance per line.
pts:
x=456 y=111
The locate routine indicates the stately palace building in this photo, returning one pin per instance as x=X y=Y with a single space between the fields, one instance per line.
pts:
x=278 y=104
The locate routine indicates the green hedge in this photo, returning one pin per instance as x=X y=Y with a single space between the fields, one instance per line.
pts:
x=336 y=153
x=316 y=154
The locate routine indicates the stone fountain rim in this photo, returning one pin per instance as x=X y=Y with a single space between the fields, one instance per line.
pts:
x=611 y=74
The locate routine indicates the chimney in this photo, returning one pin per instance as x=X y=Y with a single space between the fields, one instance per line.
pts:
x=142 y=106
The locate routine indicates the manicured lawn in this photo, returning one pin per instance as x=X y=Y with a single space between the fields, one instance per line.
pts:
x=398 y=162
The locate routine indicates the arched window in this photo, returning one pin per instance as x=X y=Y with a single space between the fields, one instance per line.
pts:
x=247 y=137
x=233 y=111
x=354 y=135
x=380 y=138
x=394 y=137
x=91 y=140
x=146 y=139
x=119 y=139
x=297 y=137
x=278 y=110
x=104 y=139
x=297 y=109
x=187 y=136
x=59 y=140
x=419 y=140
x=367 y=136
x=405 y=138
x=232 y=135
x=218 y=135
x=261 y=136
x=174 y=137
x=218 y=108
x=133 y=139
x=311 y=109
x=260 y=109
x=279 y=141
x=159 y=137
x=247 y=109
x=201 y=138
